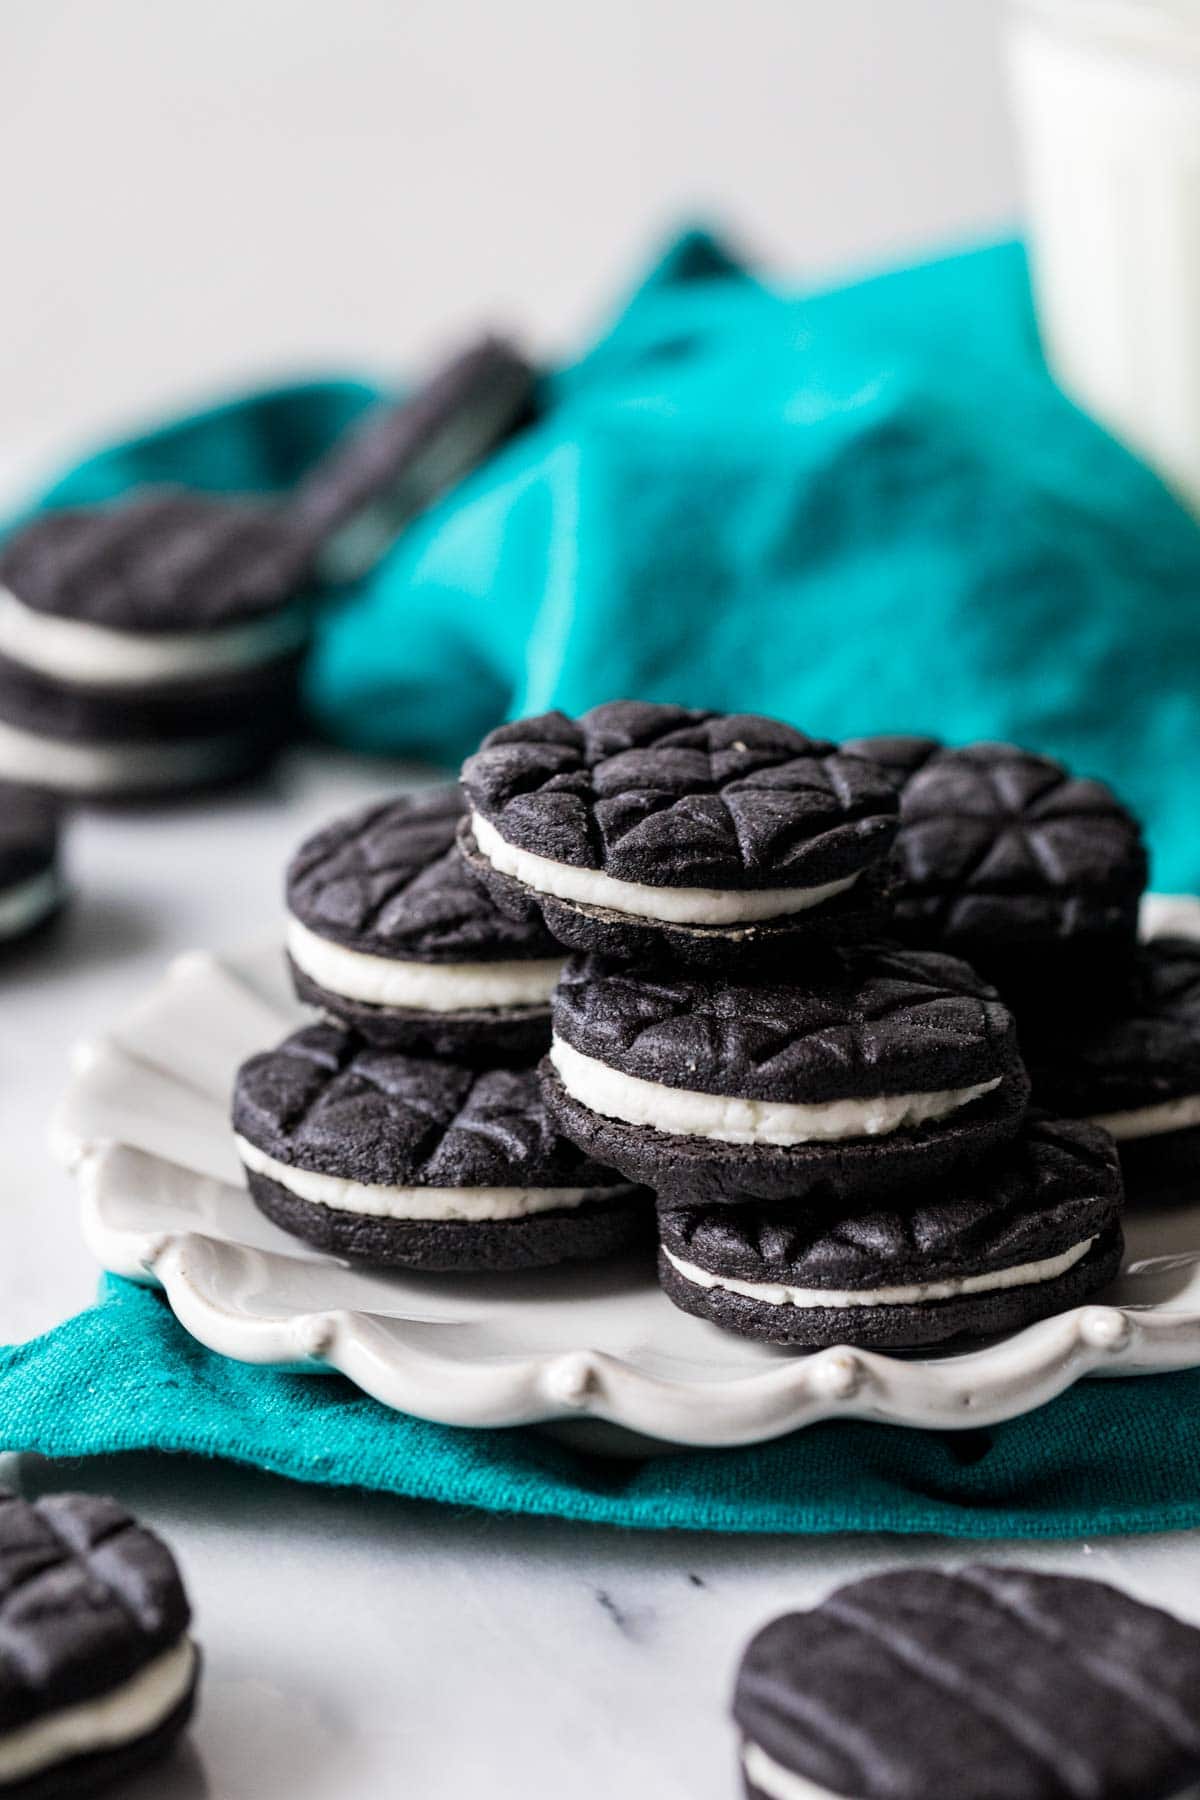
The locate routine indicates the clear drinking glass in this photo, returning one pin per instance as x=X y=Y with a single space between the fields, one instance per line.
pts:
x=1108 y=105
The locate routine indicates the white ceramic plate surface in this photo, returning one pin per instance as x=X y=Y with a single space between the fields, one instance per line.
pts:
x=144 y=1123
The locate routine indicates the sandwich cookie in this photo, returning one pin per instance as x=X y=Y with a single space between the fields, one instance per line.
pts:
x=881 y=1070
x=400 y=458
x=1034 y=1231
x=1008 y=860
x=420 y=1164
x=97 y=1671
x=985 y=1684
x=149 y=645
x=386 y=931
x=638 y=830
x=1135 y=1070
x=31 y=884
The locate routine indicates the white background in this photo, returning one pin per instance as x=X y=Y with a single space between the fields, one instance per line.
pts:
x=195 y=194
x=198 y=193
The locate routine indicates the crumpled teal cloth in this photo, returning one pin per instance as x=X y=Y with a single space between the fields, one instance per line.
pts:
x=865 y=510
x=1107 y=1457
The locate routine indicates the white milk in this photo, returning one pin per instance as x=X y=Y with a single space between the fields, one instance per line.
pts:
x=1108 y=103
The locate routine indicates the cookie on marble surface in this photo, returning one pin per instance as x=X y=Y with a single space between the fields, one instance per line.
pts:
x=1134 y=1068
x=386 y=931
x=982 y=1684
x=149 y=645
x=1032 y=1232
x=97 y=1671
x=1005 y=858
x=421 y=1164
x=31 y=883
x=641 y=830
x=881 y=1070
x=399 y=458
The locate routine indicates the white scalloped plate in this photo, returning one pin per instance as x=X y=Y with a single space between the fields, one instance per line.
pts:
x=144 y=1124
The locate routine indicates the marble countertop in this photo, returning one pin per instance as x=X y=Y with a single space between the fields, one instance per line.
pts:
x=358 y=1646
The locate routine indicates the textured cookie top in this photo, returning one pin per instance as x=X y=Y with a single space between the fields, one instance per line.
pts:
x=163 y=560
x=1059 y=1184
x=1145 y=1050
x=997 y=1683
x=878 y=1020
x=669 y=797
x=387 y=880
x=87 y=1598
x=999 y=845
x=325 y=1101
x=28 y=832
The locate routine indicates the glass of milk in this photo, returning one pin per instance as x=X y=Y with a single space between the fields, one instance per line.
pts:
x=1108 y=106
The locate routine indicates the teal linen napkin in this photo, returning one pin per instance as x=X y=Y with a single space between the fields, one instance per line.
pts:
x=1107 y=1457
x=865 y=510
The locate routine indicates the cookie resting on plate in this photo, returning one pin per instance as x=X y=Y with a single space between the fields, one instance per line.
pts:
x=386 y=931
x=1134 y=1067
x=1034 y=1231
x=641 y=830
x=877 y=1074
x=421 y=1164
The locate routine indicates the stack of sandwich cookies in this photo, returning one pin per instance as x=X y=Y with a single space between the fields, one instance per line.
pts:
x=422 y=1164
x=1008 y=860
x=990 y=1250
x=645 y=831
x=1133 y=1067
x=150 y=646
x=400 y=458
x=386 y=932
x=876 y=1070
x=32 y=889
x=97 y=1671
x=985 y=1684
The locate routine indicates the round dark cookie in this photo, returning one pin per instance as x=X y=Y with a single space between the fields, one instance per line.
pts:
x=997 y=1683
x=1142 y=1051
x=1056 y=1186
x=160 y=559
x=326 y=1103
x=667 y=797
x=387 y=881
x=88 y=1599
x=1007 y=859
x=878 y=1021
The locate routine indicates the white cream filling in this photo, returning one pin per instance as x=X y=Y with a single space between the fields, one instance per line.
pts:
x=1152 y=1121
x=26 y=902
x=379 y=1201
x=132 y=1710
x=98 y=768
x=95 y=656
x=770 y=1777
x=777 y=1293
x=670 y=905
x=685 y=1113
x=425 y=987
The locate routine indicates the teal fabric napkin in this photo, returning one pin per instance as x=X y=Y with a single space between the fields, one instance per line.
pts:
x=1107 y=1457
x=866 y=510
